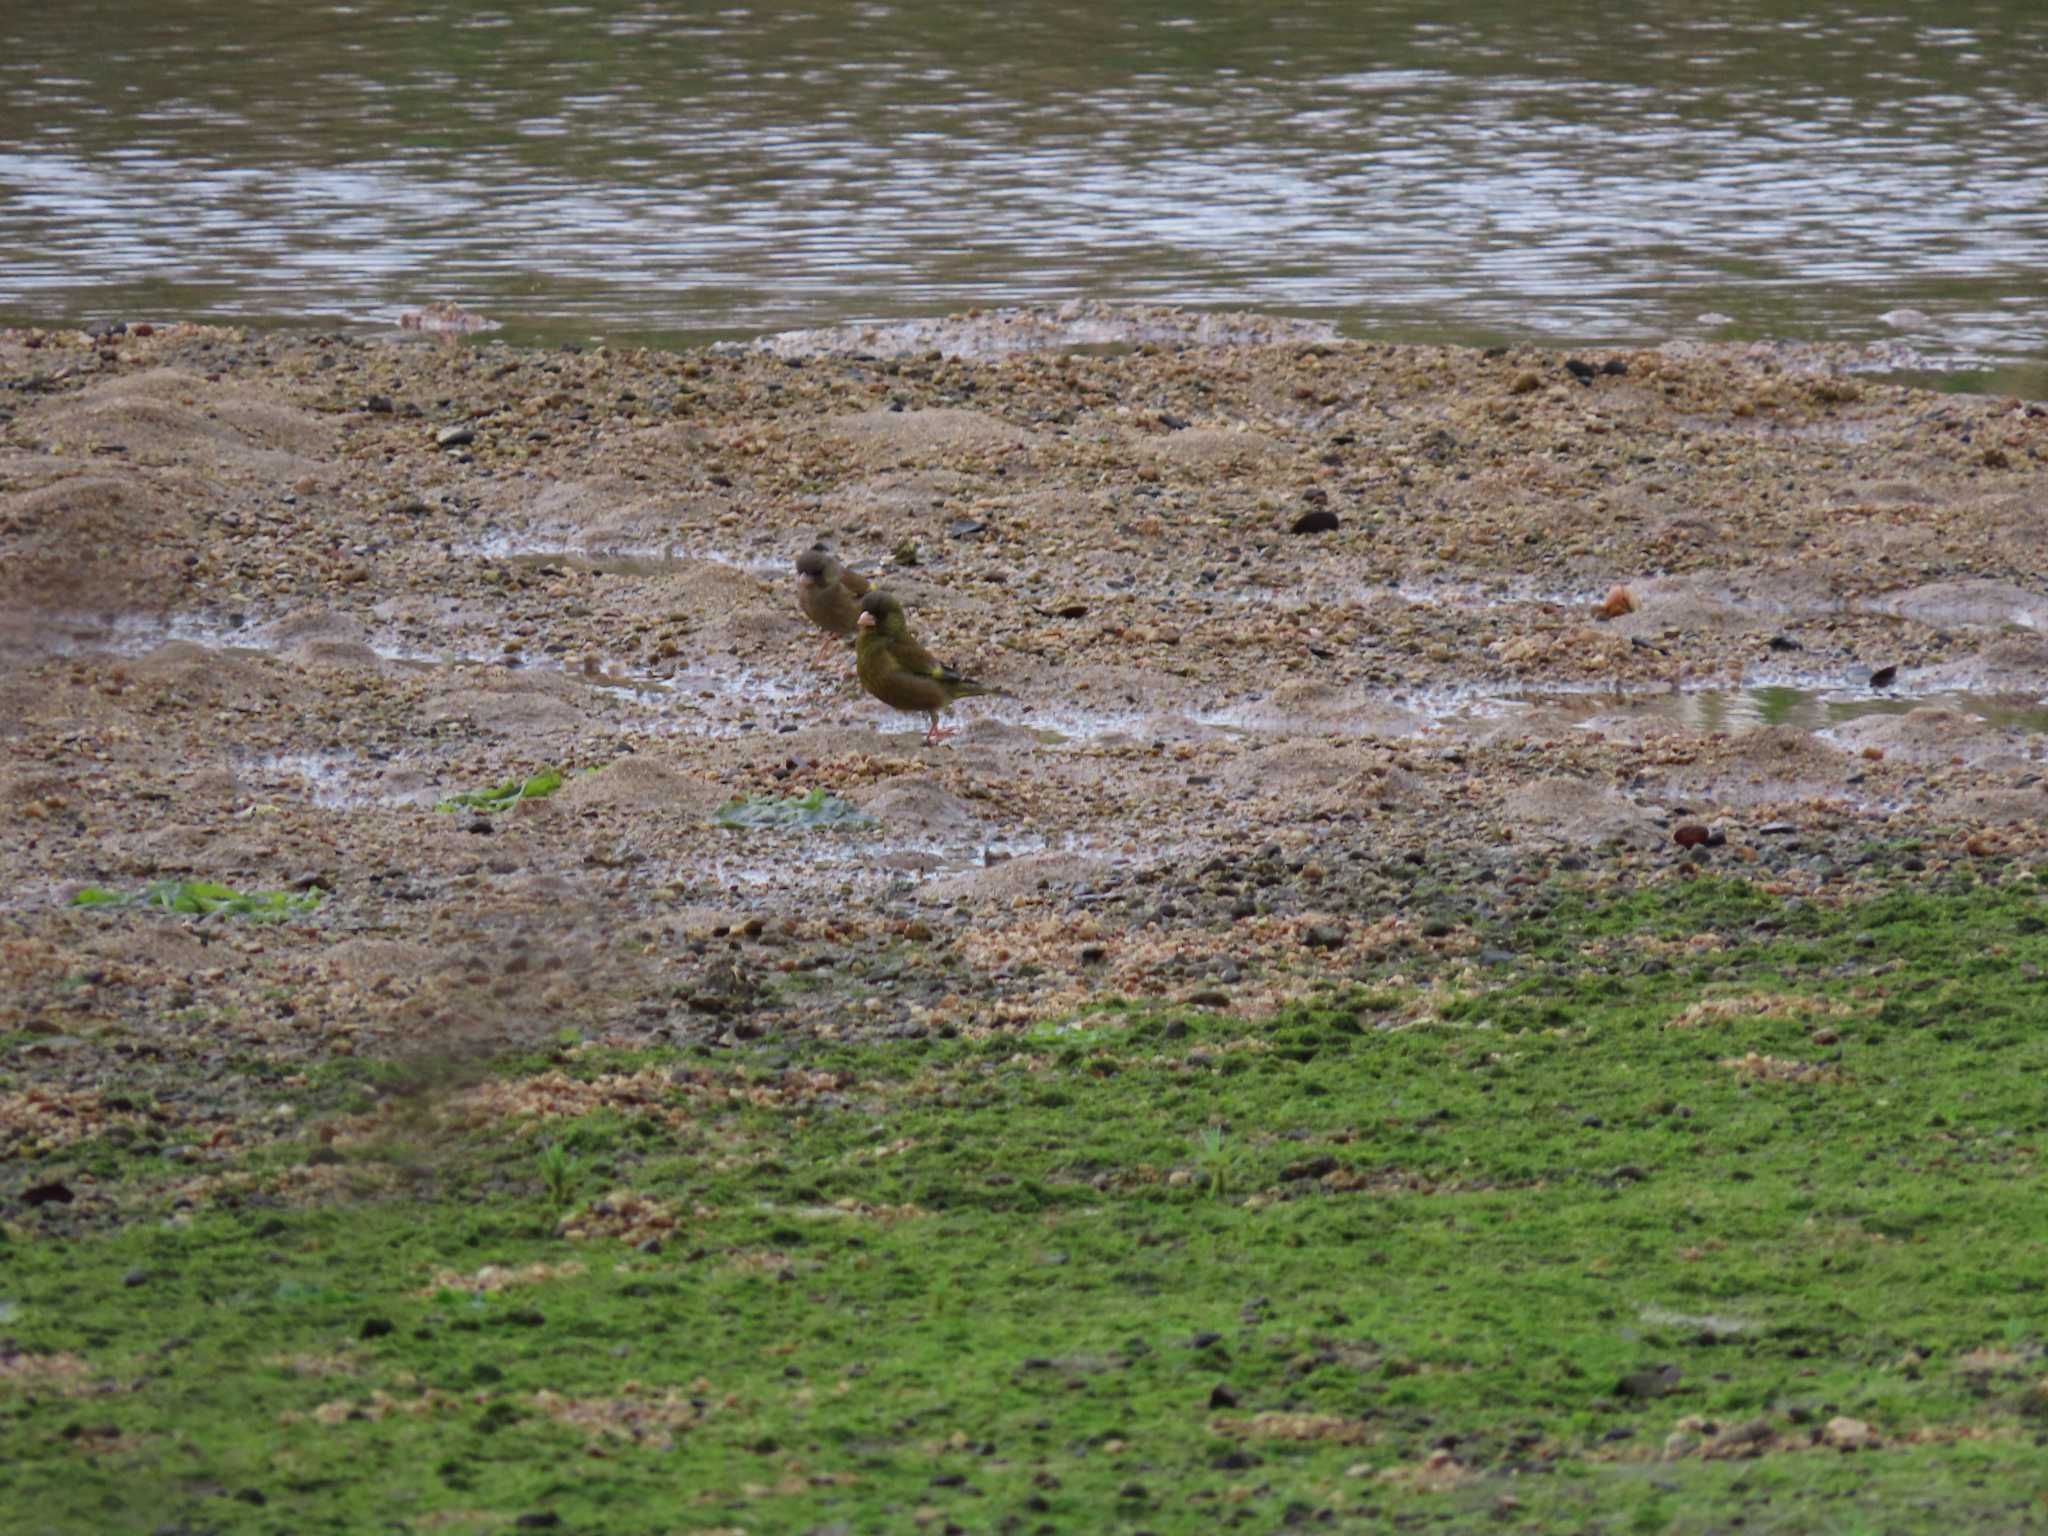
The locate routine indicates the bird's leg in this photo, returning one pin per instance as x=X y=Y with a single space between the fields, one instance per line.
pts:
x=934 y=735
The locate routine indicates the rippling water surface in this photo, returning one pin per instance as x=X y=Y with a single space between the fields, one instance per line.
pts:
x=1556 y=170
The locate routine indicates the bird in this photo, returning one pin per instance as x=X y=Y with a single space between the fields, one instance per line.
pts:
x=900 y=672
x=829 y=595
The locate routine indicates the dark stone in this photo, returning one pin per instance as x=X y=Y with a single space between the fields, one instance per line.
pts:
x=54 y=1192
x=1321 y=520
x=1222 y=1395
x=1580 y=369
x=1785 y=643
x=1884 y=677
x=1657 y=1381
x=1311 y=1168
x=538 y=1520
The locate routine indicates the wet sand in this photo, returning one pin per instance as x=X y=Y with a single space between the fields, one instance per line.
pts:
x=269 y=599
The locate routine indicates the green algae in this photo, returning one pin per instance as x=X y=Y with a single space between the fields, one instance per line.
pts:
x=203 y=898
x=1603 y=1238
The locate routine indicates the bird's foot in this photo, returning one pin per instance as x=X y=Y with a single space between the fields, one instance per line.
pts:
x=826 y=648
x=936 y=734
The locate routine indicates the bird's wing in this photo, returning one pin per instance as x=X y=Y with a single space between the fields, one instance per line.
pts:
x=912 y=657
x=855 y=583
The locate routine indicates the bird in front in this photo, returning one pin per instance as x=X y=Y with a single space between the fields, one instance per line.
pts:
x=900 y=672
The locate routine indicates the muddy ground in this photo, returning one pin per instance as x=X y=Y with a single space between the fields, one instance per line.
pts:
x=269 y=599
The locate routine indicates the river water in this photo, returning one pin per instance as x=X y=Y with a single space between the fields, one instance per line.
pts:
x=1556 y=171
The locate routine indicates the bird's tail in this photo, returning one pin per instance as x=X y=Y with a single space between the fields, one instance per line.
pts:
x=966 y=688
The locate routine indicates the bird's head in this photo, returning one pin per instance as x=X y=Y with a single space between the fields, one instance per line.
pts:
x=815 y=568
x=882 y=614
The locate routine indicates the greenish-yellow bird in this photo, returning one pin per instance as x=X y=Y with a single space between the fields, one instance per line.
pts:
x=900 y=672
x=829 y=595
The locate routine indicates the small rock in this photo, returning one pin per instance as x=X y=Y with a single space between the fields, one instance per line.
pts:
x=374 y=1328
x=1619 y=601
x=1690 y=834
x=965 y=528
x=1657 y=1381
x=1222 y=1395
x=1321 y=520
x=905 y=553
x=1526 y=383
x=1847 y=1434
x=1884 y=677
x=1785 y=643
x=1092 y=954
x=454 y=437
x=1580 y=369
x=1311 y=1168
x=1323 y=936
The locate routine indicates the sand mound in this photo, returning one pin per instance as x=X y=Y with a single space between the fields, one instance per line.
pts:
x=506 y=706
x=2015 y=664
x=94 y=540
x=1324 y=707
x=165 y=415
x=920 y=806
x=1298 y=765
x=920 y=433
x=636 y=784
x=1575 y=813
x=1987 y=604
x=1032 y=875
x=1209 y=448
x=1931 y=735
x=1763 y=767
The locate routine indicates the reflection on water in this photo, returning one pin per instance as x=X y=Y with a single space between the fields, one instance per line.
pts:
x=1543 y=169
x=1733 y=711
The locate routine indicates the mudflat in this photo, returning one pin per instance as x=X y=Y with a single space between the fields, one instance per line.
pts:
x=422 y=677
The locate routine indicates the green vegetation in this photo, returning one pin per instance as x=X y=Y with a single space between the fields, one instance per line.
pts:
x=203 y=898
x=819 y=808
x=1703 y=1209
x=505 y=795
x=557 y=1173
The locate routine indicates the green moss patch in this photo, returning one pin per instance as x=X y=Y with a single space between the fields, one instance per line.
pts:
x=204 y=898
x=1700 y=1211
x=819 y=808
x=504 y=796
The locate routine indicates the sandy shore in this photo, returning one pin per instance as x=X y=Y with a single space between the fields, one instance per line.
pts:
x=269 y=599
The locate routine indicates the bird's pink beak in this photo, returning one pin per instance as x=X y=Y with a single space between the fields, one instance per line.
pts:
x=866 y=621
x=806 y=579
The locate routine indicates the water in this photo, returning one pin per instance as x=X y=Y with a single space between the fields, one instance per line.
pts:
x=1560 y=171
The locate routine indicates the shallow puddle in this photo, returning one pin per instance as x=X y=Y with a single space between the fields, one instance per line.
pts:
x=1735 y=711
